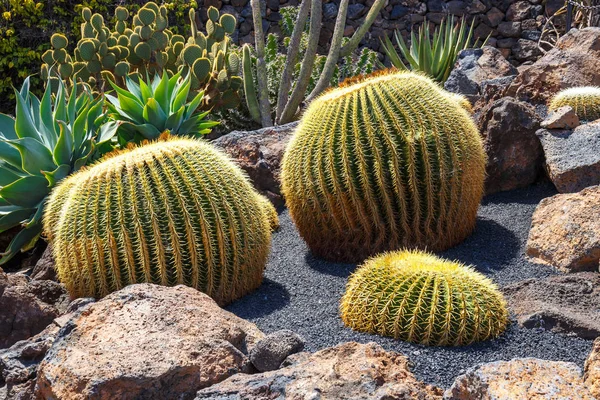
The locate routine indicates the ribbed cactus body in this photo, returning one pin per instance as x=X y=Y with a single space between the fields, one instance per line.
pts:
x=417 y=297
x=584 y=100
x=385 y=163
x=172 y=212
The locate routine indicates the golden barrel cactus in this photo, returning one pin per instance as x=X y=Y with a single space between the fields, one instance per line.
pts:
x=384 y=162
x=170 y=212
x=584 y=100
x=420 y=298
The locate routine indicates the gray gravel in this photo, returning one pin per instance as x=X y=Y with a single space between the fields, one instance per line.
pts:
x=301 y=293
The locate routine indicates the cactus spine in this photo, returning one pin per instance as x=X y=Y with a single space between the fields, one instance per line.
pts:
x=386 y=163
x=584 y=100
x=417 y=297
x=173 y=212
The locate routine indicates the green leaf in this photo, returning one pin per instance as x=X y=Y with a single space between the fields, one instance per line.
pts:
x=22 y=240
x=15 y=218
x=63 y=151
x=182 y=95
x=194 y=104
x=161 y=93
x=127 y=108
x=174 y=120
x=10 y=154
x=155 y=115
x=26 y=192
x=35 y=156
x=7 y=127
x=108 y=131
x=57 y=175
x=7 y=174
x=37 y=217
x=24 y=122
x=147 y=131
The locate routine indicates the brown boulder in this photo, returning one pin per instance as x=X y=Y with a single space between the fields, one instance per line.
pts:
x=146 y=341
x=520 y=378
x=563 y=303
x=27 y=307
x=259 y=153
x=562 y=118
x=591 y=370
x=565 y=231
x=44 y=268
x=347 y=371
x=573 y=62
x=515 y=156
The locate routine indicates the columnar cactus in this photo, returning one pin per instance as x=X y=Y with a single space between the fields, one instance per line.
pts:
x=584 y=100
x=420 y=298
x=386 y=162
x=170 y=212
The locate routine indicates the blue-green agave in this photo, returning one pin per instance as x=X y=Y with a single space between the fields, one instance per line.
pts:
x=147 y=109
x=48 y=139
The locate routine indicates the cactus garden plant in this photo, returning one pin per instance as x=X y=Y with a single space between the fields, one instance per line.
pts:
x=420 y=298
x=48 y=140
x=171 y=212
x=584 y=100
x=147 y=109
x=384 y=162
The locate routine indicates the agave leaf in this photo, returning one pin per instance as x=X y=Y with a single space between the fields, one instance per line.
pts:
x=161 y=93
x=46 y=116
x=57 y=175
x=35 y=156
x=36 y=219
x=24 y=239
x=15 y=218
x=10 y=154
x=133 y=87
x=64 y=147
x=24 y=122
x=7 y=127
x=26 y=192
x=146 y=92
x=181 y=96
x=122 y=93
x=174 y=121
x=7 y=174
x=108 y=131
x=148 y=131
x=154 y=114
x=194 y=104
x=127 y=108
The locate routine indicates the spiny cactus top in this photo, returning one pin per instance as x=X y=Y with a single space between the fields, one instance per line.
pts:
x=584 y=100
x=421 y=298
x=171 y=212
x=390 y=161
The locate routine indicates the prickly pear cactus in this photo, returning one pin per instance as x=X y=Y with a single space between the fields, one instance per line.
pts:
x=170 y=212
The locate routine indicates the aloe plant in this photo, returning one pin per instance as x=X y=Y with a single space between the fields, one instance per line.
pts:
x=46 y=141
x=435 y=54
x=147 y=109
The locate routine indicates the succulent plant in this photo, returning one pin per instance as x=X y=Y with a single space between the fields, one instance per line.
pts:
x=169 y=212
x=383 y=162
x=150 y=108
x=420 y=298
x=462 y=101
x=584 y=100
x=48 y=140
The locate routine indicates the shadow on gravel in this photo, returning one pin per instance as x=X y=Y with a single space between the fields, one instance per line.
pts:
x=490 y=247
x=529 y=195
x=268 y=298
x=329 y=268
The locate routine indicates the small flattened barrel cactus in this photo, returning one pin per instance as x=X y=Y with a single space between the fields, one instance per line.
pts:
x=170 y=212
x=388 y=161
x=420 y=298
x=584 y=100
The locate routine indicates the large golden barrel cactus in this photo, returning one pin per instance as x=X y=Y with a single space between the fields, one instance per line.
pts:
x=584 y=100
x=387 y=162
x=171 y=212
x=420 y=298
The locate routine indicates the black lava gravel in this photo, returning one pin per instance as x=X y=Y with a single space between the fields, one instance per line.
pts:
x=302 y=293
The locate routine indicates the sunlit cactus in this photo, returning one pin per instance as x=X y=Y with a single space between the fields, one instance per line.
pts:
x=420 y=298
x=170 y=212
x=461 y=101
x=384 y=162
x=584 y=100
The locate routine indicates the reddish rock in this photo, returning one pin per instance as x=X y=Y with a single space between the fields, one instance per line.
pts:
x=347 y=371
x=514 y=152
x=27 y=307
x=573 y=62
x=591 y=370
x=562 y=118
x=259 y=153
x=563 y=303
x=146 y=341
x=44 y=268
x=520 y=378
x=565 y=231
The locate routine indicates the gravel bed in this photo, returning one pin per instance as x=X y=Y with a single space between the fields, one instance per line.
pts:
x=302 y=293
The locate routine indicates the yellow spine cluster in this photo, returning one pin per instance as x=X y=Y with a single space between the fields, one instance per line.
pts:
x=584 y=100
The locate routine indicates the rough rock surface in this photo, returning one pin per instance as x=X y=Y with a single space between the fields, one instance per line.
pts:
x=514 y=152
x=146 y=341
x=270 y=352
x=520 y=378
x=473 y=67
x=347 y=371
x=259 y=153
x=565 y=231
x=563 y=303
x=562 y=118
x=573 y=62
x=27 y=307
x=44 y=268
x=572 y=157
x=591 y=370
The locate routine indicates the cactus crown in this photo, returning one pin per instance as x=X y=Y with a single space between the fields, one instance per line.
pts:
x=383 y=162
x=418 y=297
x=584 y=100
x=170 y=212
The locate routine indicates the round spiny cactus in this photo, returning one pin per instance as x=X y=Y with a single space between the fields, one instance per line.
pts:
x=387 y=161
x=420 y=298
x=462 y=101
x=584 y=100
x=171 y=212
